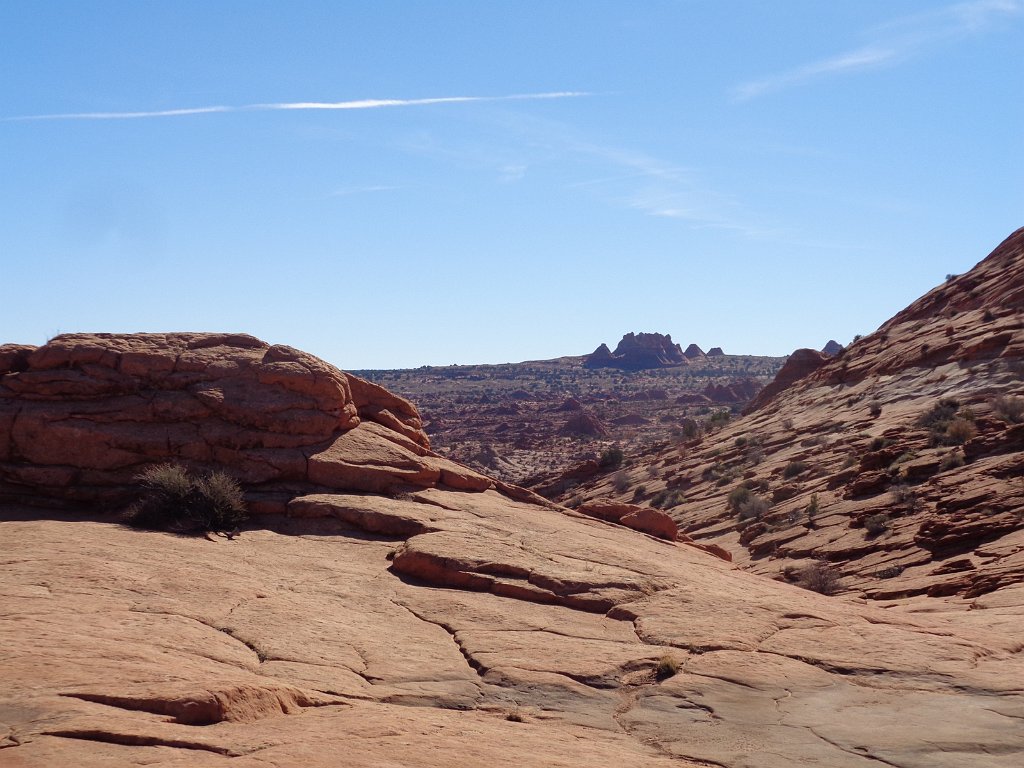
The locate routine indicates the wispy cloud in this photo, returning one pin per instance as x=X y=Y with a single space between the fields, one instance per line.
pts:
x=890 y=43
x=296 y=106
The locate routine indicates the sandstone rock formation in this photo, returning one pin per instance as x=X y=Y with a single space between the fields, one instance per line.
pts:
x=440 y=623
x=693 y=352
x=898 y=462
x=637 y=351
x=83 y=414
x=715 y=352
x=801 y=363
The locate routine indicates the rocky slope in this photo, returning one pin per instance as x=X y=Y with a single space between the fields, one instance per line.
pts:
x=900 y=461
x=437 y=623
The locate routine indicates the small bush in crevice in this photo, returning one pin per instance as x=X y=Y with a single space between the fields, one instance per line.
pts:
x=667 y=667
x=753 y=508
x=611 y=457
x=1009 y=409
x=876 y=524
x=794 y=468
x=812 y=509
x=820 y=577
x=620 y=481
x=174 y=500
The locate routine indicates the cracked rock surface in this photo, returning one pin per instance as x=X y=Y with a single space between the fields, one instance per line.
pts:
x=489 y=631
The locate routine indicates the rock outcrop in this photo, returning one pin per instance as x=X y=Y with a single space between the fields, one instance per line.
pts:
x=716 y=352
x=832 y=348
x=897 y=462
x=638 y=351
x=802 y=363
x=645 y=519
x=693 y=352
x=81 y=416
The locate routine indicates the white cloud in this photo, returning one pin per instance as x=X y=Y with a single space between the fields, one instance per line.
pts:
x=889 y=43
x=297 y=105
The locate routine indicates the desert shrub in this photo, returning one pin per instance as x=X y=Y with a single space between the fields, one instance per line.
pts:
x=876 y=524
x=667 y=667
x=611 y=457
x=741 y=442
x=987 y=316
x=753 y=507
x=951 y=460
x=794 y=468
x=875 y=408
x=174 y=500
x=959 y=431
x=787 y=424
x=737 y=496
x=903 y=495
x=904 y=457
x=939 y=414
x=639 y=492
x=849 y=461
x=820 y=577
x=1009 y=408
x=621 y=481
x=889 y=572
x=879 y=443
x=812 y=508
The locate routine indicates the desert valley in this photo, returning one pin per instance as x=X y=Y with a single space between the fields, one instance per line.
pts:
x=649 y=556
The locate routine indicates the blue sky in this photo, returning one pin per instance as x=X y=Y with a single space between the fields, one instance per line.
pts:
x=357 y=180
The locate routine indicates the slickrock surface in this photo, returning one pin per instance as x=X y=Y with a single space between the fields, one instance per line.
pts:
x=453 y=628
x=900 y=462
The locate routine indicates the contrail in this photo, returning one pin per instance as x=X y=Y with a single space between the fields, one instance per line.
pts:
x=296 y=106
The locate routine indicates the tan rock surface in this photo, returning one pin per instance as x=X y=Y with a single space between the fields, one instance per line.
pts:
x=420 y=630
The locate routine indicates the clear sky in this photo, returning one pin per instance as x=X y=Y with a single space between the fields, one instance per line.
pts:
x=392 y=184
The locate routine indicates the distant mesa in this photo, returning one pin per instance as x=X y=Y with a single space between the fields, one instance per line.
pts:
x=716 y=352
x=833 y=348
x=693 y=351
x=638 y=351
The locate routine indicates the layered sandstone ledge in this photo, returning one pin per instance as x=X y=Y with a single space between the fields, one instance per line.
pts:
x=83 y=414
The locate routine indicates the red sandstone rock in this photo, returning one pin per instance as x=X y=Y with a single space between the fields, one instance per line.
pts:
x=800 y=364
x=652 y=521
x=82 y=415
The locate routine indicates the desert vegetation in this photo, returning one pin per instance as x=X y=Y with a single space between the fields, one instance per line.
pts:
x=173 y=499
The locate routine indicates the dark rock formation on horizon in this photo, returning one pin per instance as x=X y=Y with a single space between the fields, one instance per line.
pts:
x=833 y=348
x=693 y=352
x=715 y=352
x=638 y=351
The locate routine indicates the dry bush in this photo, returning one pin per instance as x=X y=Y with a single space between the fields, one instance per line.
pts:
x=877 y=524
x=667 y=667
x=1009 y=409
x=820 y=577
x=174 y=500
